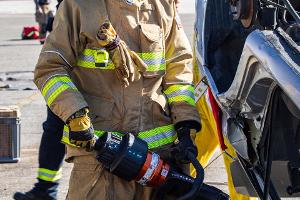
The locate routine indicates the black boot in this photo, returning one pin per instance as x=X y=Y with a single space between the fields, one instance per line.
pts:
x=42 y=190
x=31 y=196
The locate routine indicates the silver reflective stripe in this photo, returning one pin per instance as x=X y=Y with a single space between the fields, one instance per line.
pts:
x=150 y=170
x=89 y=58
x=66 y=134
x=157 y=61
x=50 y=77
x=160 y=136
x=57 y=85
x=48 y=175
x=62 y=57
x=181 y=92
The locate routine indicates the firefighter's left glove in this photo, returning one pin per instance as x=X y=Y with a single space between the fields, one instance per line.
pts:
x=128 y=65
x=186 y=132
x=81 y=132
x=185 y=145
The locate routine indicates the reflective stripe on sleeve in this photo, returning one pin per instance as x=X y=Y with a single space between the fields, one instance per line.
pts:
x=154 y=137
x=55 y=86
x=180 y=93
x=49 y=175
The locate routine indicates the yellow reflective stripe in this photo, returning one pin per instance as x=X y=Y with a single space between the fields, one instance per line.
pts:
x=49 y=175
x=174 y=88
x=180 y=93
x=55 y=86
x=182 y=98
x=151 y=55
x=56 y=93
x=154 y=68
x=154 y=137
x=88 y=52
x=154 y=60
x=65 y=137
x=96 y=59
x=65 y=140
x=159 y=136
x=54 y=80
x=87 y=64
x=162 y=141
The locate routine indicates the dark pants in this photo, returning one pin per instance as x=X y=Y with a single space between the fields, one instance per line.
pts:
x=51 y=154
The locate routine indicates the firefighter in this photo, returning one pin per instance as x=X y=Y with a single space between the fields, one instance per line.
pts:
x=95 y=84
x=51 y=155
x=43 y=12
x=51 y=152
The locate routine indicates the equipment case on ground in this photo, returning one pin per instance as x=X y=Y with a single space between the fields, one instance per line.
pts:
x=10 y=125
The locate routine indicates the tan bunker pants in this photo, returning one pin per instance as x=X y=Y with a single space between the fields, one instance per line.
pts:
x=90 y=181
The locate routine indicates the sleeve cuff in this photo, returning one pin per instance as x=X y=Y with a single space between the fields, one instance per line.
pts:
x=191 y=124
x=67 y=104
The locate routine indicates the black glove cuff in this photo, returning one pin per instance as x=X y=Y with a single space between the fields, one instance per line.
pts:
x=190 y=124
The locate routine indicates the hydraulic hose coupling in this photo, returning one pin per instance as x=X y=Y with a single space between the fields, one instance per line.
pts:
x=128 y=157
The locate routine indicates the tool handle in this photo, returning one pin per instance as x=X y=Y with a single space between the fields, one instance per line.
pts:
x=198 y=181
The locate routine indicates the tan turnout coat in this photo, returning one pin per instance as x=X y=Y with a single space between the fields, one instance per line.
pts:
x=70 y=74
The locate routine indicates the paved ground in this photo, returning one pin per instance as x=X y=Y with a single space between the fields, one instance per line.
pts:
x=17 y=60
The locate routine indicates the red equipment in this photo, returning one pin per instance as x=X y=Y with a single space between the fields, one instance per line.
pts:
x=30 y=32
x=129 y=158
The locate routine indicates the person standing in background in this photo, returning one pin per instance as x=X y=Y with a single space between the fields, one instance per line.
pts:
x=42 y=13
x=51 y=151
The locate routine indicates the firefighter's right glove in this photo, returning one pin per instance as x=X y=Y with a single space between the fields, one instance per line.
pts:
x=185 y=145
x=128 y=64
x=81 y=132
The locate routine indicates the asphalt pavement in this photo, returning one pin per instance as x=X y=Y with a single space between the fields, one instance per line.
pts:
x=17 y=62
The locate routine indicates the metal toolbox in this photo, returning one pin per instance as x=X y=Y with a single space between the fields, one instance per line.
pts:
x=10 y=125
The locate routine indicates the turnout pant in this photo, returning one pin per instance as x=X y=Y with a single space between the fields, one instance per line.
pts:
x=51 y=155
x=90 y=181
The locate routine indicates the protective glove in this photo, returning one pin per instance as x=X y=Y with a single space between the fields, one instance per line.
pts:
x=127 y=63
x=81 y=132
x=185 y=145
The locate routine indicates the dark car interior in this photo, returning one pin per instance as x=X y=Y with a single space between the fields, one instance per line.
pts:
x=225 y=36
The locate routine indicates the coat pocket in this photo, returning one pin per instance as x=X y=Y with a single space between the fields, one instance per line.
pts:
x=152 y=50
x=151 y=38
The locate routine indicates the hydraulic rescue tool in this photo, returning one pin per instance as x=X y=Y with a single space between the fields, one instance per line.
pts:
x=128 y=157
